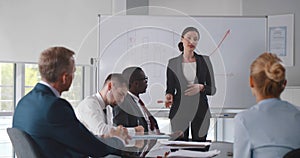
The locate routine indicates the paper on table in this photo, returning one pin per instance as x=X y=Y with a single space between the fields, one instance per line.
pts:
x=150 y=136
x=188 y=153
x=184 y=143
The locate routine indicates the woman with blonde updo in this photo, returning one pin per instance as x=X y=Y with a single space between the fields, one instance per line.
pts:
x=270 y=128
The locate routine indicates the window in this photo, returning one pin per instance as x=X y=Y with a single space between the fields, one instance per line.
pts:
x=6 y=87
x=6 y=106
x=32 y=76
x=75 y=93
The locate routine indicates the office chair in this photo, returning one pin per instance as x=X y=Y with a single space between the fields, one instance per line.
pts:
x=293 y=154
x=271 y=149
x=23 y=144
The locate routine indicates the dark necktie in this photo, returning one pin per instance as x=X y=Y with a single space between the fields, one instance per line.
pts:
x=151 y=119
x=105 y=115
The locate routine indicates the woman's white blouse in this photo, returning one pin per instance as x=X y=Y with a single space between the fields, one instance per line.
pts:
x=189 y=71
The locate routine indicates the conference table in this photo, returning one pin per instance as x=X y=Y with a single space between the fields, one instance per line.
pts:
x=154 y=148
x=226 y=149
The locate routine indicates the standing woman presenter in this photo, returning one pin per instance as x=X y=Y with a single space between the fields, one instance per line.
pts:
x=189 y=79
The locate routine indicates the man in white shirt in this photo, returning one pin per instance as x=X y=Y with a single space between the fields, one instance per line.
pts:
x=96 y=114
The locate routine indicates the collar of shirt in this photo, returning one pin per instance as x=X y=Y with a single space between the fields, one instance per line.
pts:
x=56 y=93
x=266 y=101
x=146 y=117
x=101 y=101
x=131 y=131
x=136 y=99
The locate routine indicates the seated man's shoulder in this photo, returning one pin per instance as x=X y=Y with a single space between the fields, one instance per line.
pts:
x=125 y=103
x=123 y=107
x=89 y=102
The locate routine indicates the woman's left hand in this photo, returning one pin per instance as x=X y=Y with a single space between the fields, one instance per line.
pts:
x=194 y=89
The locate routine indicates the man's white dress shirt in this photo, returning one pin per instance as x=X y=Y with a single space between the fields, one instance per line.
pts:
x=90 y=113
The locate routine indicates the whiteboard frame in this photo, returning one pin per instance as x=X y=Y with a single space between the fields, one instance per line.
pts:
x=265 y=40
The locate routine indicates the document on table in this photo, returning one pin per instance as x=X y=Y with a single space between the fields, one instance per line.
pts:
x=188 y=153
x=184 y=143
x=149 y=136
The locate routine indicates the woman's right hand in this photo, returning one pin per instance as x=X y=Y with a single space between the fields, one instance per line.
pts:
x=169 y=100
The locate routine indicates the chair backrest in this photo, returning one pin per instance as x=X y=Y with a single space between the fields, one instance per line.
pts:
x=293 y=154
x=270 y=150
x=23 y=144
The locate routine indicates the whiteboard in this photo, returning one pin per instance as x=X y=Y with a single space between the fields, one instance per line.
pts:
x=150 y=41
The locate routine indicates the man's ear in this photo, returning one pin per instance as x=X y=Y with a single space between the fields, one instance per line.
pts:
x=109 y=85
x=64 y=77
x=251 y=82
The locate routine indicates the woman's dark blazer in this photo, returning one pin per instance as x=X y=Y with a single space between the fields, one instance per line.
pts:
x=177 y=83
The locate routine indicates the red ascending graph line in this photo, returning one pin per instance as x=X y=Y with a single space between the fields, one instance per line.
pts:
x=220 y=43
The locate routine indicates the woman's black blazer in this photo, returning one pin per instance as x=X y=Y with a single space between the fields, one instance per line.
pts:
x=177 y=83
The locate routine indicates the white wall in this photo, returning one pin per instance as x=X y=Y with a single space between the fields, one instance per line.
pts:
x=196 y=7
x=275 y=7
x=27 y=27
x=291 y=94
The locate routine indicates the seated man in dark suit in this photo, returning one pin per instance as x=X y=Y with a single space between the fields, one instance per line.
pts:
x=132 y=112
x=51 y=121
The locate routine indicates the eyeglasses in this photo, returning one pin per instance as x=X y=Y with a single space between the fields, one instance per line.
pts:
x=143 y=79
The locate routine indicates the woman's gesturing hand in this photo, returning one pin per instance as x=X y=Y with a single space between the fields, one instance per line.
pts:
x=169 y=100
x=194 y=89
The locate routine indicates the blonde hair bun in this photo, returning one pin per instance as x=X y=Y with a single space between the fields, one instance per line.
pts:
x=268 y=74
x=275 y=71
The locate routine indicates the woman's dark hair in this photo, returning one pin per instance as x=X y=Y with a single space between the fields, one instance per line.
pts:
x=180 y=46
x=186 y=30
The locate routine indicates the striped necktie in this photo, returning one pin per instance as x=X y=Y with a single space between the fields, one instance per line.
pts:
x=152 y=122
